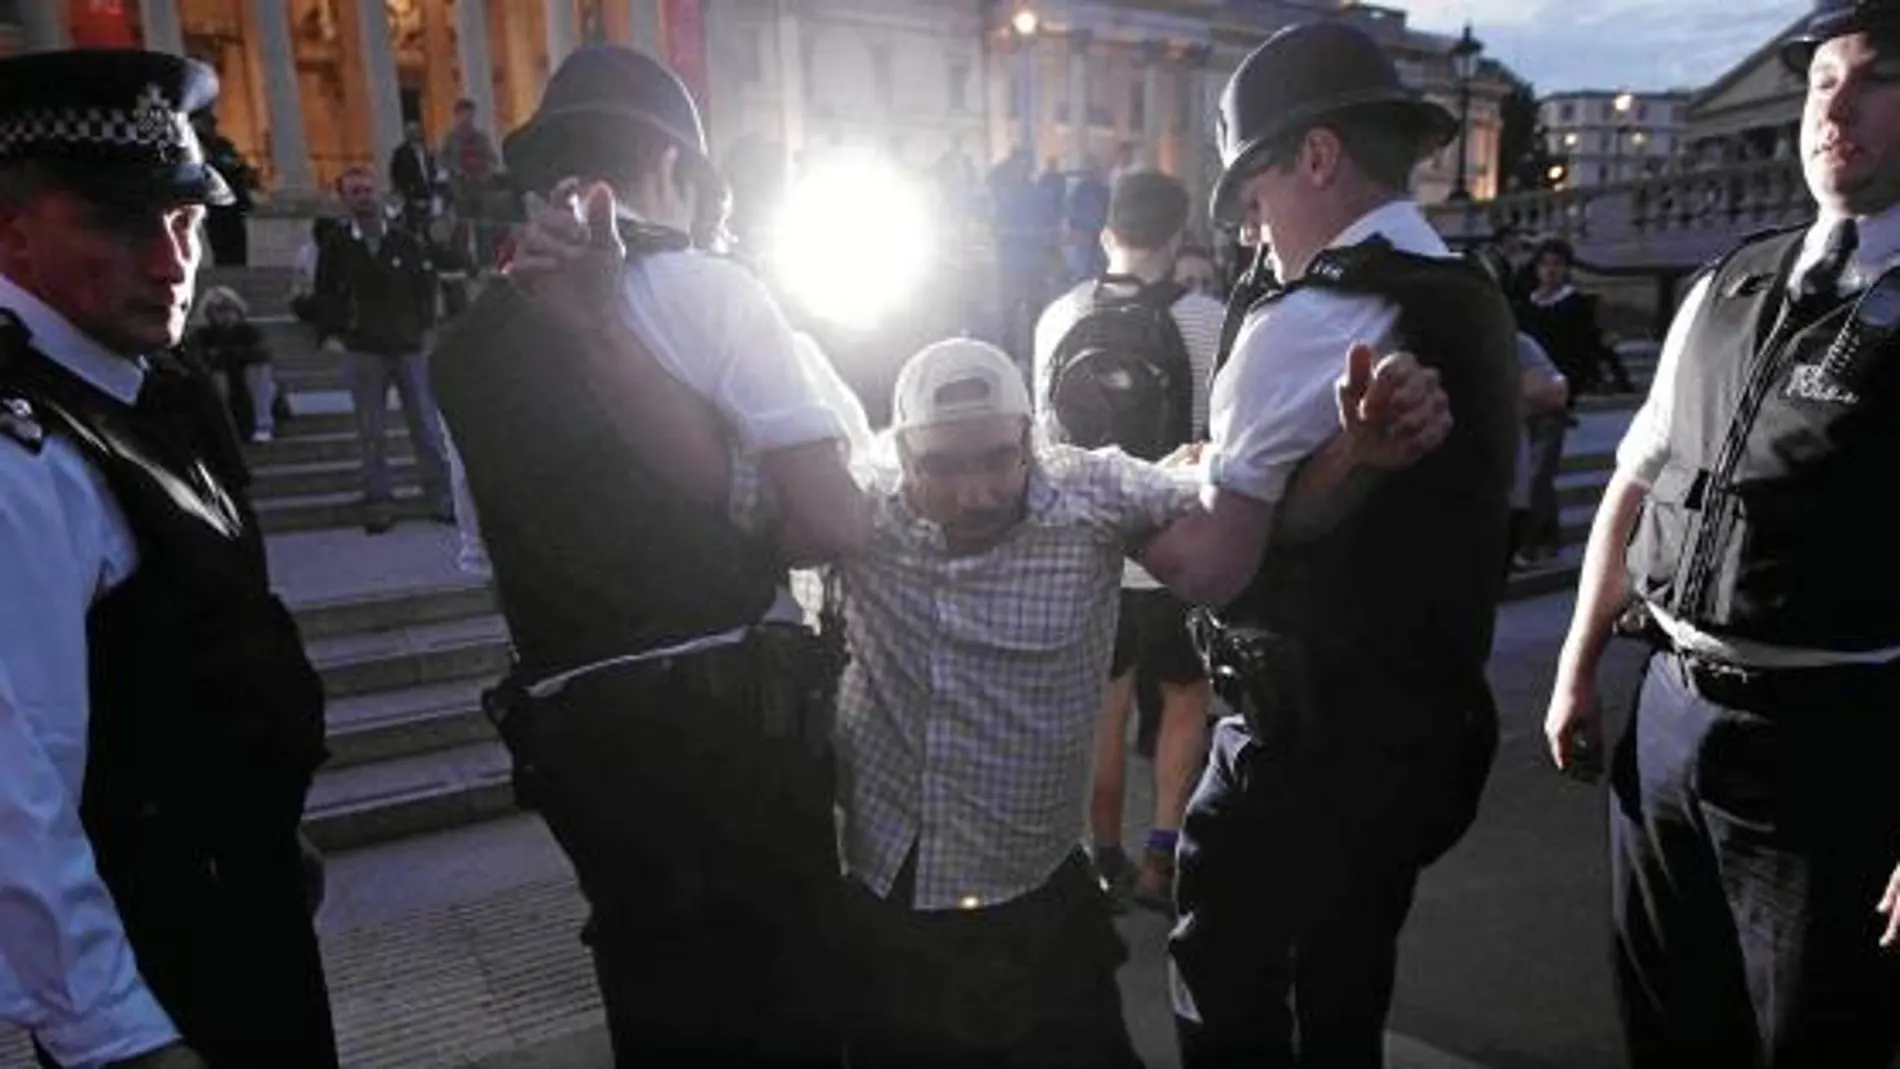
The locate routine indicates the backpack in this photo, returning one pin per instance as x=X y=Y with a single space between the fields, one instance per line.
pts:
x=1121 y=375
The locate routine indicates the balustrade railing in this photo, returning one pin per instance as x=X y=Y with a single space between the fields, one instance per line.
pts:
x=1651 y=217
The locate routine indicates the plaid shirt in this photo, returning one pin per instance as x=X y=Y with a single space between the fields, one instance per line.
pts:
x=967 y=715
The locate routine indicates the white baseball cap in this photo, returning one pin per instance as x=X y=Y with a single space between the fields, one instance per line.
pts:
x=955 y=380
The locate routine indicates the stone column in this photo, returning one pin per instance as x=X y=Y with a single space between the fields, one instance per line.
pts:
x=43 y=26
x=1078 y=98
x=283 y=99
x=1200 y=166
x=472 y=56
x=1157 y=116
x=563 y=30
x=162 y=30
x=379 y=76
x=791 y=79
x=1032 y=99
x=643 y=20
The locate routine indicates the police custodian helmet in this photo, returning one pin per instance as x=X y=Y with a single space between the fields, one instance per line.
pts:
x=1840 y=18
x=599 y=96
x=1302 y=74
x=111 y=124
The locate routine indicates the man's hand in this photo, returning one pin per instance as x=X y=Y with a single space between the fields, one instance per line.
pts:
x=1574 y=728
x=1393 y=411
x=569 y=255
x=170 y=1056
x=333 y=344
x=1187 y=456
x=1890 y=905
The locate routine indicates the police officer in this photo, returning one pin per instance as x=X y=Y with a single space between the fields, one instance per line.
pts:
x=159 y=723
x=1355 y=655
x=1754 y=825
x=647 y=447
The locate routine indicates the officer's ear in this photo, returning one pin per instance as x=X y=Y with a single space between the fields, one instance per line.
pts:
x=1319 y=155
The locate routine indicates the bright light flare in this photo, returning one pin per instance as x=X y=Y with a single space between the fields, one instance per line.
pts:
x=1026 y=22
x=855 y=241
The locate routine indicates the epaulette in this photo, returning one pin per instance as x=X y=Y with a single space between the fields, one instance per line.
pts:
x=18 y=420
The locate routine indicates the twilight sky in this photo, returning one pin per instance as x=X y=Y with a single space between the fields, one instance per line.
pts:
x=1611 y=44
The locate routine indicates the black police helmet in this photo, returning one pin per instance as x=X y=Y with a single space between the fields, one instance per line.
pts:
x=599 y=98
x=1304 y=74
x=113 y=125
x=1840 y=18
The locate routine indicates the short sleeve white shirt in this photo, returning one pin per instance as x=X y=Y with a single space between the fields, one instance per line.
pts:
x=1273 y=403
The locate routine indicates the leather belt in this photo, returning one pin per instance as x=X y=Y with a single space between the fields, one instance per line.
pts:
x=1791 y=691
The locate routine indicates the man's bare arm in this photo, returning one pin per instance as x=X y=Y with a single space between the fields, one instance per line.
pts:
x=656 y=414
x=1574 y=721
x=1208 y=556
x=1391 y=414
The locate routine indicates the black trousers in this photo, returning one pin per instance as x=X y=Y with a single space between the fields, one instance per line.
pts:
x=229 y=950
x=1028 y=984
x=708 y=857
x=1295 y=876
x=1753 y=828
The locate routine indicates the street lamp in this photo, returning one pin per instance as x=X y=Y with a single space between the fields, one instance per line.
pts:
x=1622 y=105
x=1464 y=65
x=1025 y=22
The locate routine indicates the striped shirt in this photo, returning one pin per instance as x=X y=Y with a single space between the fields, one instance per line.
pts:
x=967 y=715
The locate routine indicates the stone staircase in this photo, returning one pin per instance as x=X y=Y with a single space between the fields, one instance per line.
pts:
x=405 y=643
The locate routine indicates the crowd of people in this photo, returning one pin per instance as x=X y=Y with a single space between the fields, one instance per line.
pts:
x=853 y=830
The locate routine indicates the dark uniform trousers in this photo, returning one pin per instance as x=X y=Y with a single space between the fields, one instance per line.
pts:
x=1294 y=878
x=707 y=854
x=1027 y=984
x=1755 y=821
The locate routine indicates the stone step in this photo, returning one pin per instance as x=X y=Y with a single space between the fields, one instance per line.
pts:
x=311 y=512
x=1596 y=460
x=1582 y=487
x=341 y=476
x=297 y=443
x=387 y=725
x=444 y=651
x=395 y=610
x=358 y=805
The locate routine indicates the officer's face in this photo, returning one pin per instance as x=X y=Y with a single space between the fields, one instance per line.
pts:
x=1850 y=129
x=123 y=275
x=969 y=477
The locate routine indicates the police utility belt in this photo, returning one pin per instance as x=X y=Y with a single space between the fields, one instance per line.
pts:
x=784 y=678
x=1262 y=675
x=1762 y=689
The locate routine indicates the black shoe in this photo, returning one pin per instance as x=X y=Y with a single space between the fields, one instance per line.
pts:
x=378 y=517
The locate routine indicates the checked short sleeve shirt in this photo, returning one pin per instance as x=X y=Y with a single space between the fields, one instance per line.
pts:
x=967 y=715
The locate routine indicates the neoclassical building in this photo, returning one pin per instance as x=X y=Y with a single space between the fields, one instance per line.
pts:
x=312 y=86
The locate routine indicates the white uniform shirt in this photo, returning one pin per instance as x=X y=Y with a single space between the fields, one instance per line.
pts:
x=1273 y=403
x=715 y=327
x=1644 y=451
x=67 y=973
x=966 y=717
x=1196 y=315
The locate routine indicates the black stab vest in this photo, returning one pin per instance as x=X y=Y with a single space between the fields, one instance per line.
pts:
x=595 y=555
x=1395 y=607
x=1771 y=521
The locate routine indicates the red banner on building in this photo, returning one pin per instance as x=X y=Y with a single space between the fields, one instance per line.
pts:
x=683 y=30
x=103 y=23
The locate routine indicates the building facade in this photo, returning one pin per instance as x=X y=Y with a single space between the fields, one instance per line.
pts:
x=1604 y=137
x=314 y=86
x=1750 y=114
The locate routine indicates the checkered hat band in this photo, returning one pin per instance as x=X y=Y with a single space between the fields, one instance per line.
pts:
x=150 y=129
